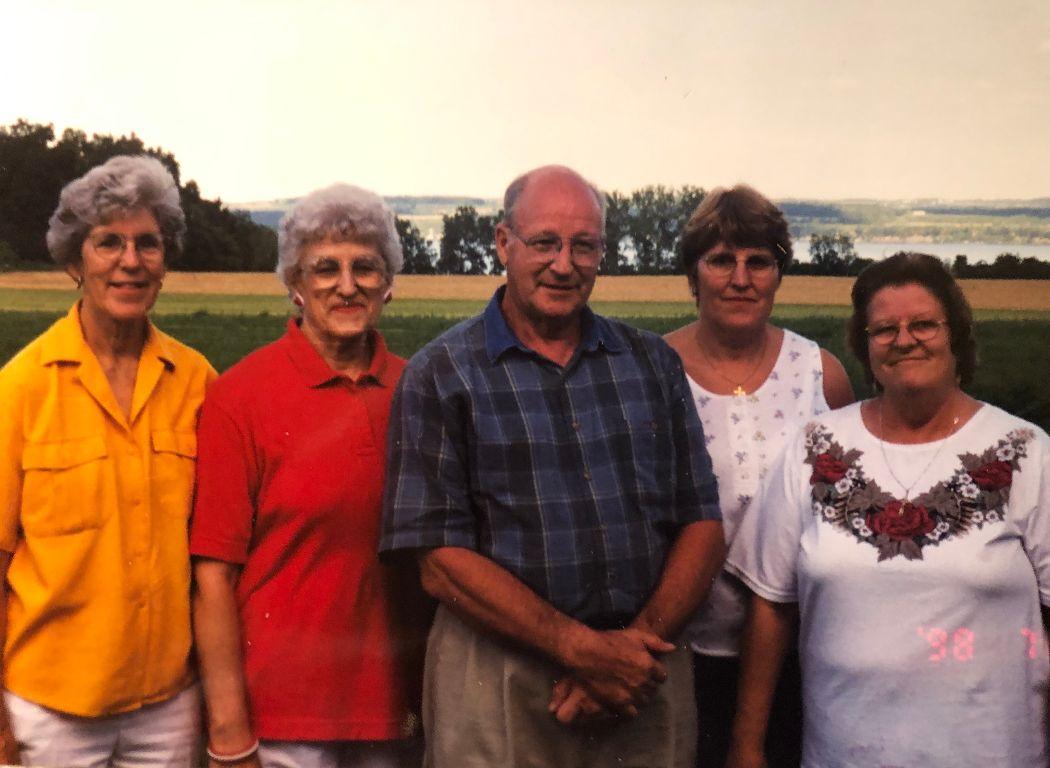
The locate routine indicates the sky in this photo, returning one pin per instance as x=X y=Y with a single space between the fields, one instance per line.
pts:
x=815 y=99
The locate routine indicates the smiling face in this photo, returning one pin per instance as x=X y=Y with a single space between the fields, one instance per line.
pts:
x=546 y=289
x=906 y=364
x=741 y=298
x=120 y=284
x=342 y=285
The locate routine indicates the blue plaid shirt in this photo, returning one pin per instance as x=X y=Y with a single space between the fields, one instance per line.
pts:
x=577 y=480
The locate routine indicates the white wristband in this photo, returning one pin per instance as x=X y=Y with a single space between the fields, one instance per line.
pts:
x=234 y=757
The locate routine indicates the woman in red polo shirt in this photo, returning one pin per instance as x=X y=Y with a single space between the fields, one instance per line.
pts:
x=308 y=654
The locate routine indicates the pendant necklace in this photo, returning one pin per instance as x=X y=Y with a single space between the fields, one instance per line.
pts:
x=906 y=501
x=738 y=386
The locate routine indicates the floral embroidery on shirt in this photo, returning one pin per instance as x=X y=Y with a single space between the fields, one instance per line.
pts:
x=976 y=494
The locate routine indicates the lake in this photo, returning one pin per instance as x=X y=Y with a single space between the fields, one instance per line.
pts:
x=974 y=251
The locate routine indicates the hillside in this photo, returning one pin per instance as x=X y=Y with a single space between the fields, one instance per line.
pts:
x=920 y=220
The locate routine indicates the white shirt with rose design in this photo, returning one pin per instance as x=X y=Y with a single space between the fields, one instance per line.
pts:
x=922 y=642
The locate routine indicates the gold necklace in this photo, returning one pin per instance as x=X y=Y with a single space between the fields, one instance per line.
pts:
x=738 y=386
x=906 y=501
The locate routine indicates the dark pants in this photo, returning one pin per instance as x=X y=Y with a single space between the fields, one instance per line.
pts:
x=715 y=684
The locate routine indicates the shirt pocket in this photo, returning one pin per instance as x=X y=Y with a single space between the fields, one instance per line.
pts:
x=173 y=459
x=64 y=486
x=653 y=459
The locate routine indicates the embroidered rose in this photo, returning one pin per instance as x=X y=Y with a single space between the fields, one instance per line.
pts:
x=901 y=520
x=827 y=469
x=993 y=475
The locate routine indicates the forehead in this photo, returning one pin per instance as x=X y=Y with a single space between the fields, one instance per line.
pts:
x=558 y=202
x=134 y=221
x=903 y=301
x=739 y=251
x=343 y=250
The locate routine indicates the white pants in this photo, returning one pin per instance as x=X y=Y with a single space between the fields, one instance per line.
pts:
x=162 y=735
x=339 y=754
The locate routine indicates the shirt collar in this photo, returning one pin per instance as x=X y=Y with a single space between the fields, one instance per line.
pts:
x=65 y=342
x=316 y=372
x=595 y=331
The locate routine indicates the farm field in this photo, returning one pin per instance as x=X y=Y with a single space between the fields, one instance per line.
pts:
x=455 y=295
x=227 y=315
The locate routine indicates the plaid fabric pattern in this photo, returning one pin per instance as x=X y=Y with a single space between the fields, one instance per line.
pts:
x=576 y=479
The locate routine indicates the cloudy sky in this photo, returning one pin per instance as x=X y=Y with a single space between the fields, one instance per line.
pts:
x=802 y=98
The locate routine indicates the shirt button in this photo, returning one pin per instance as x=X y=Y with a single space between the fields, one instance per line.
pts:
x=575 y=425
x=586 y=475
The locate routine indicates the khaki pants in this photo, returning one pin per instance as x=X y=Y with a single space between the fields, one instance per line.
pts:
x=485 y=704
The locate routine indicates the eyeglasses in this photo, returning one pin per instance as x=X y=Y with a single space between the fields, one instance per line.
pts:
x=326 y=273
x=920 y=330
x=112 y=245
x=723 y=264
x=584 y=251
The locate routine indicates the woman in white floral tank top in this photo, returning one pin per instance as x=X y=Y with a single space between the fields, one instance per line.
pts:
x=753 y=384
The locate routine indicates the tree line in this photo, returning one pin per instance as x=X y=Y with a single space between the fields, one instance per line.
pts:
x=35 y=165
x=641 y=232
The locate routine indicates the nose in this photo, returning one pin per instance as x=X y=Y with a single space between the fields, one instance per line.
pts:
x=130 y=258
x=740 y=276
x=347 y=285
x=562 y=264
x=899 y=340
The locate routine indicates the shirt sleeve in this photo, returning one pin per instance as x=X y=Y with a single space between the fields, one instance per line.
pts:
x=1036 y=536
x=11 y=478
x=426 y=501
x=696 y=493
x=227 y=485
x=764 y=553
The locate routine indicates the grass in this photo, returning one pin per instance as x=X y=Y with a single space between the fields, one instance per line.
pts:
x=1013 y=372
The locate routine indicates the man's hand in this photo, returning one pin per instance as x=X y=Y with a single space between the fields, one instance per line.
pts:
x=619 y=668
x=572 y=704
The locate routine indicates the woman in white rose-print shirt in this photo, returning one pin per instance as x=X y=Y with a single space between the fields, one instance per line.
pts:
x=753 y=384
x=910 y=534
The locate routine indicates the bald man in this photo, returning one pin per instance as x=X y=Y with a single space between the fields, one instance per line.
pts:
x=548 y=472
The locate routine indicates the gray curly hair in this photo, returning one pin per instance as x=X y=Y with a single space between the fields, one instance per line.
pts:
x=112 y=190
x=343 y=212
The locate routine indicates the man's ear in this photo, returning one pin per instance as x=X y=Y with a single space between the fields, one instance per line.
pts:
x=502 y=238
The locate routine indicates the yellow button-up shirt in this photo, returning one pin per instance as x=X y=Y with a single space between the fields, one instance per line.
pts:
x=94 y=505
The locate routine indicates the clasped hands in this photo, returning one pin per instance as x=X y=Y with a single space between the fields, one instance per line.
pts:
x=610 y=674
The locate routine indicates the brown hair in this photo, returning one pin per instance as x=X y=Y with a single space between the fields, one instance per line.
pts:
x=740 y=217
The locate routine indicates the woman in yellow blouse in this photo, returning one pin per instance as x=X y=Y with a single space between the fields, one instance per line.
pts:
x=97 y=445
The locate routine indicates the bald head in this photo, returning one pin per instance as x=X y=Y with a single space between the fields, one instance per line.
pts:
x=556 y=174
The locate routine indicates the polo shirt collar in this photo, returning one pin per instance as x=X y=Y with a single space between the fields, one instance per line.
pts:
x=65 y=342
x=316 y=372
x=595 y=332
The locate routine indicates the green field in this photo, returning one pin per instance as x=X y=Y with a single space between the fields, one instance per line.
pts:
x=1013 y=372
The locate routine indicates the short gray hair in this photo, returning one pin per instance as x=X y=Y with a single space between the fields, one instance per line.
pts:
x=343 y=212
x=510 y=197
x=110 y=191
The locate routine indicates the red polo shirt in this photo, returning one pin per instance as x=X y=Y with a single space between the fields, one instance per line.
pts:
x=290 y=469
